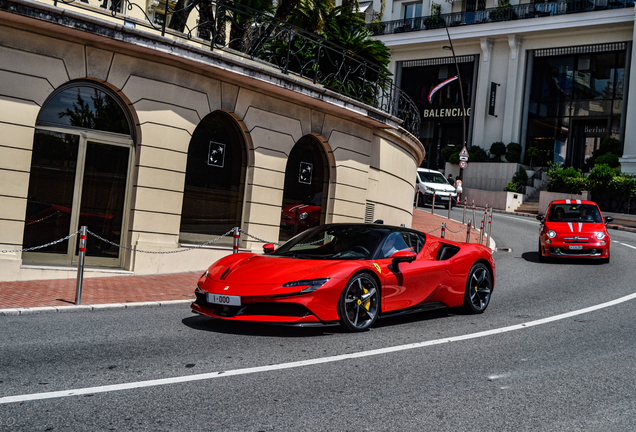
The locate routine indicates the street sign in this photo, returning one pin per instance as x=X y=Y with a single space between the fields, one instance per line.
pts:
x=463 y=155
x=463 y=164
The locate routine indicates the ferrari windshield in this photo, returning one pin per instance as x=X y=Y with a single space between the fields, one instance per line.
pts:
x=432 y=177
x=341 y=242
x=574 y=213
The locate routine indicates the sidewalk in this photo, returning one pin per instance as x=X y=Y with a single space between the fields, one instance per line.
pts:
x=26 y=297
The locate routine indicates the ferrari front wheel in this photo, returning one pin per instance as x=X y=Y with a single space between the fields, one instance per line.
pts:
x=478 y=289
x=359 y=303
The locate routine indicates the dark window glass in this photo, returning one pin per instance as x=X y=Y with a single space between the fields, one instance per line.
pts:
x=48 y=213
x=305 y=188
x=214 y=182
x=84 y=107
x=103 y=196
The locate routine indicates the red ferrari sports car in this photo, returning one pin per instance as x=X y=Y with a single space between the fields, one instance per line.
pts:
x=349 y=274
x=574 y=229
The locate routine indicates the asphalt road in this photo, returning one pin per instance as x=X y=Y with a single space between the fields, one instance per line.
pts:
x=536 y=360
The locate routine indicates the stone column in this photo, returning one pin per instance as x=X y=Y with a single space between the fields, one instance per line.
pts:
x=628 y=161
x=511 y=125
x=483 y=85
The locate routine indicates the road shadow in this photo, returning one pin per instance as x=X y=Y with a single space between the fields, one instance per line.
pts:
x=534 y=257
x=204 y=323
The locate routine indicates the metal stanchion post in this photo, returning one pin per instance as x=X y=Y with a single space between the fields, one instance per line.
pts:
x=481 y=232
x=489 y=224
x=236 y=240
x=468 y=230
x=473 y=209
x=80 y=265
x=450 y=204
x=443 y=230
x=433 y=203
x=464 y=212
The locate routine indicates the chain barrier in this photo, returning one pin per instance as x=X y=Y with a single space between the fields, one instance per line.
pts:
x=257 y=239
x=43 y=246
x=160 y=252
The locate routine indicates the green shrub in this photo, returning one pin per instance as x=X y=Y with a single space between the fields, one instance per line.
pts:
x=513 y=156
x=513 y=152
x=520 y=177
x=498 y=149
x=511 y=187
x=477 y=154
x=454 y=158
x=607 y=159
x=532 y=153
x=606 y=181
x=446 y=153
x=608 y=146
x=565 y=180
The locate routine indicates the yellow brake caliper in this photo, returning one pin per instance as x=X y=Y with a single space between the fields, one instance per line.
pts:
x=367 y=302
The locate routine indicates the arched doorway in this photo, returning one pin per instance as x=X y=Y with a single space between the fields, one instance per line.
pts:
x=80 y=166
x=214 y=181
x=305 y=193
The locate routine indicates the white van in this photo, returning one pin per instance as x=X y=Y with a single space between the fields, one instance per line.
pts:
x=431 y=182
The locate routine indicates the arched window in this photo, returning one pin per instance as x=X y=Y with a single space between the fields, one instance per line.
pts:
x=305 y=193
x=80 y=167
x=214 y=181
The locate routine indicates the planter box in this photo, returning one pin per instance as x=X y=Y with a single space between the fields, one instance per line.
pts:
x=500 y=200
x=545 y=198
x=487 y=176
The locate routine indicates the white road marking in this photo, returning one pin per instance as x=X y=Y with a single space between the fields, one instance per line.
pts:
x=624 y=244
x=310 y=362
x=519 y=218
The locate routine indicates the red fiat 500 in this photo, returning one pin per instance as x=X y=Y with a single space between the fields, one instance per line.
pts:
x=574 y=229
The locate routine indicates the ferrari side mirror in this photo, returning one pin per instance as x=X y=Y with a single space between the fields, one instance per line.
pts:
x=400 y=257
x=540 y=218
x=268 y=248
x=608 y=219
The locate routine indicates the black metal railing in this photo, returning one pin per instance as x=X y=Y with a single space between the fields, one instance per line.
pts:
x=500 y=13
x=260 y=37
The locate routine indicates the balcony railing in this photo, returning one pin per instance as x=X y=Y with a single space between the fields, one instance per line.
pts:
x=501 y=13
x=260 y=37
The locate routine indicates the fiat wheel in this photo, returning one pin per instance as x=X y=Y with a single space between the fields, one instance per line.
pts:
x=478 y=289
x=359 y=303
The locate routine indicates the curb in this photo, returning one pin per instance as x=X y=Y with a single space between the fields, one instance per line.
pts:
x=90 y=308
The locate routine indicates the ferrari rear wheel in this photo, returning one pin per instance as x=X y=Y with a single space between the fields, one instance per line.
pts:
x=359 y=303
x=478 y=289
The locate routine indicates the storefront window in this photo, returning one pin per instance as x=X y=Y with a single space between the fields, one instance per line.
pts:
x=214 y=182
x=575 y=102
x=438 y=99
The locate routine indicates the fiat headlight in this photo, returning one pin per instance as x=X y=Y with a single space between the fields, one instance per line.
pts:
x=551 y=234
x=310 y=285
x=303 y=215
x=600 y=235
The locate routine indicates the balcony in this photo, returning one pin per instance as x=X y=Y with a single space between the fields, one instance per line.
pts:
x=496 y=14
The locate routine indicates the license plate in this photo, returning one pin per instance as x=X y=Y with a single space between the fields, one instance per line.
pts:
x=575 y=247
x=444 y=198
x=221 y=299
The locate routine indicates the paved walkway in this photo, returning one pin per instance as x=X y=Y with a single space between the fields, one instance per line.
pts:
x=133 y=291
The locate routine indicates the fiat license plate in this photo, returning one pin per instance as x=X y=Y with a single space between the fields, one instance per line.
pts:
x=575 y=247
x=221 y=299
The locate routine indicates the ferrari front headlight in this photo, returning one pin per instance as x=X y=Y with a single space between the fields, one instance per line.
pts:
x=551 y=234
x=600 y=235
x=310 y=285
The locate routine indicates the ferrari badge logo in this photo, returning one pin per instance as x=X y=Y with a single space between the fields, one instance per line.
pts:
x=377 y=267
x=226 y=288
